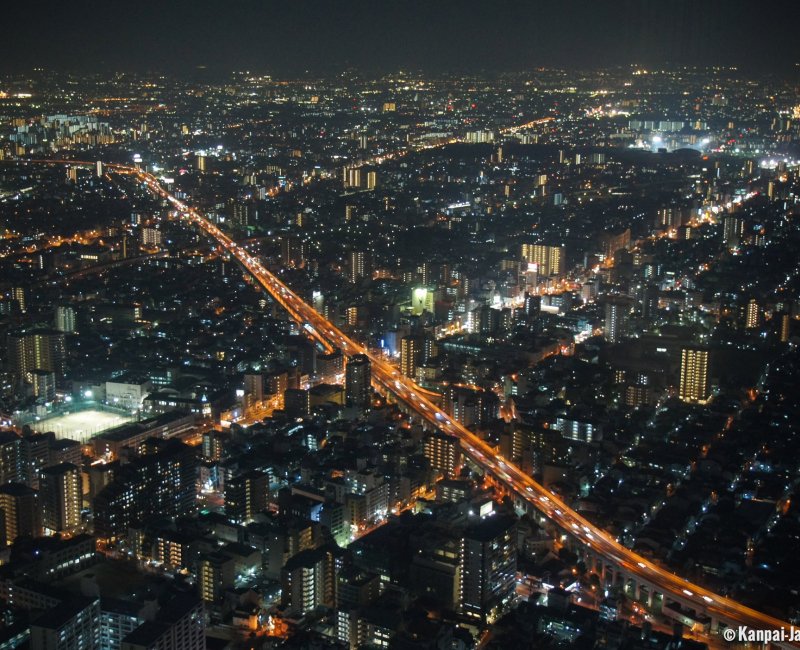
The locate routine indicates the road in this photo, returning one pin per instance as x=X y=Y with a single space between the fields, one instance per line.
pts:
x=389 y=379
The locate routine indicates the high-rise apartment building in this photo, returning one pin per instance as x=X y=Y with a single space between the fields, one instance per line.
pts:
x=360 y=265
x=488 y=568
x=694 y=387
x=61 y=497
x=21 y=516
x=158 y=484
x=357 y=381
x=39 y=349
x=415 y=350
x=246 y=495
x=443 y=453
x=618 y=310
x=549 y=260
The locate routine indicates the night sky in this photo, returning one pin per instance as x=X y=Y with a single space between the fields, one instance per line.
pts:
x=384 y=35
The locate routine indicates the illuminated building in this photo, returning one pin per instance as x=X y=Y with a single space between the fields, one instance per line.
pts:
x=330 y=367
x=358 y=380
x=752 y=315
x=488 y=568
x=246 y=495
x=443 y=453
x=44 y=385
x=308 y=580
x=549 y=260
x=732 y=230
x=215 y=573
x=694 y=375
x=18 y=294
x=470 y=406
x=151 y=237
x=36 y=350
x=254 y=386
x=611 y=242
x=784 y=321
x=61 y=497
x=359 y=266
x=158 y=484
x=19 y=505
x=422 y=299
x=617 y=310
x=65 y=318
x=293 y=251
x=73 y=623
x=415 y=350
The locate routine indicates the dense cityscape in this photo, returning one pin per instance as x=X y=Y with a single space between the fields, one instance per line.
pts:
x=407 y=361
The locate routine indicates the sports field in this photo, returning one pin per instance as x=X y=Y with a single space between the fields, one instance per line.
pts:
x=80 y=426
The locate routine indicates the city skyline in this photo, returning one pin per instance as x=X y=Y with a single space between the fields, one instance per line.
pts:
x=440 y=349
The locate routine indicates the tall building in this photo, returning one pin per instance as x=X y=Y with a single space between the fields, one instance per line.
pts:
x=752 y=314
x=158 y=484
x=784 y=321
x=215 y=572
x=246 y=496
x=694 y=386
x=12 y=460
x=293 y=251
x=415 y=350
x=18 y=294
x=20 y=512
x=618 y=311
x=39 y=349
x=488 y=568
x=443 y=453
x=60 y=492
x=308 y=579
x=357 y=381
x=360 y=265
x=330 y=367
x=732 y=230
x=549 y=260
x=44 y=385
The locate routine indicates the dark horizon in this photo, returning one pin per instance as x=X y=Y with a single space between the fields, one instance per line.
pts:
x=445 y=36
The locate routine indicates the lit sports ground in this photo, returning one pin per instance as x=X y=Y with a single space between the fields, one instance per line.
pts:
x=80 y=426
